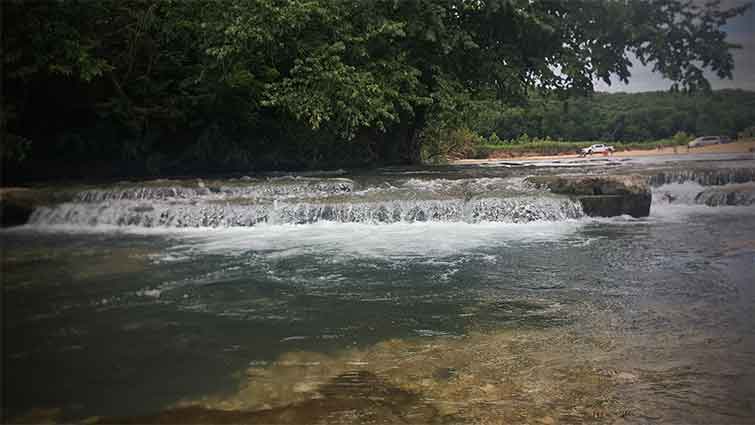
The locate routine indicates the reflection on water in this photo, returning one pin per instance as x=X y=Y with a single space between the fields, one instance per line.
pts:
x=579 y=320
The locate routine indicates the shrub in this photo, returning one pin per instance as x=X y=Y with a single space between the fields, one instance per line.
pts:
x=440 y=144
x=681 y=138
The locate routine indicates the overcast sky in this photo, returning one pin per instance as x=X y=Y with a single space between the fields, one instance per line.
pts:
x=740 y=30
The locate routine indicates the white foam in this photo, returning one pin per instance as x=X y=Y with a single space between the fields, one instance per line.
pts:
x=152 y=293
x=345 y=240
x=103 y=229
x=685 y=213
x=677 y=193
x=679 y=202
x=476 y=185
x=199 y=214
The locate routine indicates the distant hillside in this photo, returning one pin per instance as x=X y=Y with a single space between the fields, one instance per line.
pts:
x=629 y=117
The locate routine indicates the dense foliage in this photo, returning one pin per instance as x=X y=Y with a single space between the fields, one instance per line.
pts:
x=625 y=117
x=165 y=86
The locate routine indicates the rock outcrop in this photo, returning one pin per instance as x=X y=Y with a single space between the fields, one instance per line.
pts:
x=602 y=196
x=16 y=205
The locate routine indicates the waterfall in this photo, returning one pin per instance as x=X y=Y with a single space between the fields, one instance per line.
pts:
x=304 y=201
x=174 y=214
x=736 y=194
x=706 y=177
x=691 y=193
x=276 y=187
x=154 y=214
x=141 y=193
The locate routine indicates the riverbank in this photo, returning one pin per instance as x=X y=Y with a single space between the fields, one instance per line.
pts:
x=736 y=147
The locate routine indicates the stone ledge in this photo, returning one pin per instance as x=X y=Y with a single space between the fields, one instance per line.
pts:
x=602 y=196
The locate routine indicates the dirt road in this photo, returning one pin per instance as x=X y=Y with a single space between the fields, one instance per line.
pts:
x=737 y=147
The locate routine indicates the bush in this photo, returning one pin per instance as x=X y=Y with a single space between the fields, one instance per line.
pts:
x=494 y=139
x=523 y=139
x=440 y=144
x=681 y=138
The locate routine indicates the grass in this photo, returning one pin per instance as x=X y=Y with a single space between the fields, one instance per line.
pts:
x=549 y=147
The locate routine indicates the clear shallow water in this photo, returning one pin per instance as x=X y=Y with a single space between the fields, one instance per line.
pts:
x=573 y=320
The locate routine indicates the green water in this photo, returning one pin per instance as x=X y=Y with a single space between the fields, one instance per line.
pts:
x=570 y=321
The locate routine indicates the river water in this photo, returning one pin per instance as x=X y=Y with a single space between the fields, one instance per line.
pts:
x=403 y=296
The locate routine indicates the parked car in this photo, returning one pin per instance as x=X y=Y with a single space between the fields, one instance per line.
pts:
x=597 y=148
x=708 y=140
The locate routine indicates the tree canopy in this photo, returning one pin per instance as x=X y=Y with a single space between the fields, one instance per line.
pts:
x=171 y=84
x=620 y=117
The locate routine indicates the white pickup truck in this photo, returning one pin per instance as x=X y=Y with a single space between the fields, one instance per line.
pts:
x=598 y=148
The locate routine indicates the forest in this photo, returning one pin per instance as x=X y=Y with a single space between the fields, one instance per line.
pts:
x=625 y=117
x=549 y=125
x=164 y=87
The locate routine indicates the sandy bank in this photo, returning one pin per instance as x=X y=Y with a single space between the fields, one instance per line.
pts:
x=737 y=147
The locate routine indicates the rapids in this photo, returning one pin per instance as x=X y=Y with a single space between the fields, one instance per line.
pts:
x=306 y=201
x=442 y=295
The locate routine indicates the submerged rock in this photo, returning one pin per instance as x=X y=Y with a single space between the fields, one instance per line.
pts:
x=603 y=196
x=614 y=205
x=626 y=377
x=352 y=397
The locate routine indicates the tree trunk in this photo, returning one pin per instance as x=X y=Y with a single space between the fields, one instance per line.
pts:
x=412 y=143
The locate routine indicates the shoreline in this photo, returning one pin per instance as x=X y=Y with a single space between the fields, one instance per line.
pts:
x=735 y=147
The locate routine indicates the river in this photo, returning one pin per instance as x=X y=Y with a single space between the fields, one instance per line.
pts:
x=440 y=295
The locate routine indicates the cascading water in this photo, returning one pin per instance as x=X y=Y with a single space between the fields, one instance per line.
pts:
x=734 y=194
x=704 y=186
x=150 y=214
x=278 y=187
x=691 y=193
x=706 y=177
x=613 y=319
x=304 y=201
x=142 y=193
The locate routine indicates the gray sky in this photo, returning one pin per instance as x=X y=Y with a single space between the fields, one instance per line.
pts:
x=740 y=30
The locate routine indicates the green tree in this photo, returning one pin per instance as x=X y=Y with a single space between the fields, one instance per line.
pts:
x=237 y=83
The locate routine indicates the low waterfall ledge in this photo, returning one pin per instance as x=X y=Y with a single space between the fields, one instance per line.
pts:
x=602 y=196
